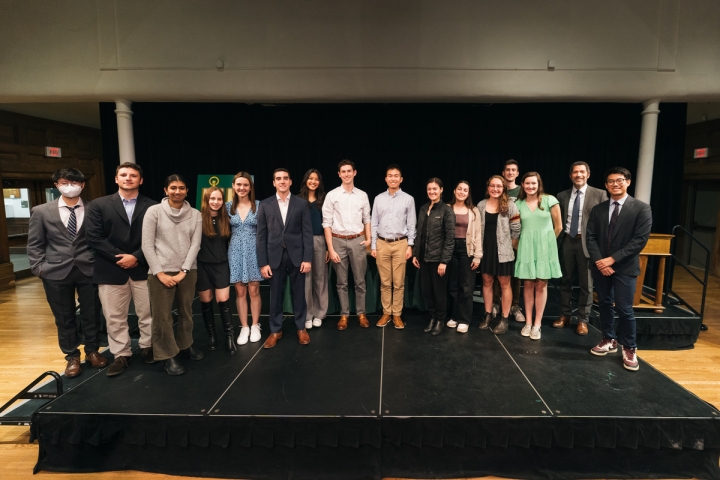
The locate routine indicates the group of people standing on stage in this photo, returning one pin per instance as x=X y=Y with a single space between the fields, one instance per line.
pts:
x=126 y=246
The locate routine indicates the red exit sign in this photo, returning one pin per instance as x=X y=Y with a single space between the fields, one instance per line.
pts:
x=53 y=152
x=701 y=153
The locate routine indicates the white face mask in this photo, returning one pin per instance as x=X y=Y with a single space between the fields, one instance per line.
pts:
x=70 y=191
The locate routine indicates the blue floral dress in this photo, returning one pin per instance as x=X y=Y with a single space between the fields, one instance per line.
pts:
x=242 y=253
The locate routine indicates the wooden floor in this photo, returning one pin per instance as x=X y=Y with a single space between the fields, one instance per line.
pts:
x=29 y=348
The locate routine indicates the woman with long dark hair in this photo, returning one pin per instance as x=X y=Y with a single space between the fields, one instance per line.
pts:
x=316 y=281
x=500 y=223
x=242 y=255
x=213 y=267
x=433 y=251
x=537 y=258
x=172 y=232
x=465 y=259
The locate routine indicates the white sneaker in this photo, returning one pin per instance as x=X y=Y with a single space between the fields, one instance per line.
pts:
x=308 y=324
x=317 y=322
x=535 y=333
x=244 y=335
x=462 y=328
x=525 y=332
x=452 y=323
x=255 y=333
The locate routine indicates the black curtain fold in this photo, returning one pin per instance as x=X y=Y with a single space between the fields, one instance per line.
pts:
x=451 y=141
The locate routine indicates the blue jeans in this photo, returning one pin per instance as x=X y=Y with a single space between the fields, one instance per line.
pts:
x=619 y=289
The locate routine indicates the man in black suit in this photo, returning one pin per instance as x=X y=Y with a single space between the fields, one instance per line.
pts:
x=285 y=249
x=617 y=232
x=114 y=233
x=575 y=206
x=59 y=255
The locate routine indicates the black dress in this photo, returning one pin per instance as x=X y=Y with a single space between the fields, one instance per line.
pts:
x=212 y=262
x=490 y=264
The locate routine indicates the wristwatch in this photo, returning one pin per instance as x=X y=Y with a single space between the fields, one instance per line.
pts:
x=185 y=270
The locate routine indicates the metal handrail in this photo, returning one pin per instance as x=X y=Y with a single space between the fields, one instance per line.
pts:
x=675 y=259
x=26 y=394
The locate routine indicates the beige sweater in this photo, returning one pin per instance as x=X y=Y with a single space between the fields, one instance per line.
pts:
x=171 y=237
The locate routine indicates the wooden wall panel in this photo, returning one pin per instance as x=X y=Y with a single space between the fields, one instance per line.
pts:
x=8 y=133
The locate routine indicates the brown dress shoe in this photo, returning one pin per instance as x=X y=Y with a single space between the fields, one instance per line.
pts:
x=364 y=322
x=561 y=322
x=96 y=360
x=303 y=337
x=397 y=321
x=118 y=366
x=73 y=368
x=581 y=328
x=272 y=340
x=342 y=323
x=384 y=320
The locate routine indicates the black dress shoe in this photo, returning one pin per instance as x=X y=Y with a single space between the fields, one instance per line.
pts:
x=173 y=367
x=437 y=328
x=485 y=323
x=147 y=355
x=192 y=353
x=430 y=326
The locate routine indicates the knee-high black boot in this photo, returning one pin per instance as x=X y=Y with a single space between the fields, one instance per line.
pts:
x=226 y=318
x=209 y=318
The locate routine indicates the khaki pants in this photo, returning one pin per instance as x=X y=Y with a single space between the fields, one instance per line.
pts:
x=391 y=264
x=165 y=343
x=115 y=301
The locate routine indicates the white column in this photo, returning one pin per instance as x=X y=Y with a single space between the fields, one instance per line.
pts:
x=126 y=140
x=646 y=159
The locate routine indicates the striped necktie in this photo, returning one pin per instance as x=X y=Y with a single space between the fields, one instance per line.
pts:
x=72 y=221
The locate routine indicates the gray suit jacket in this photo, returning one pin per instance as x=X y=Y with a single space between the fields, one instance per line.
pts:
x=51 y=250
x=593 y=196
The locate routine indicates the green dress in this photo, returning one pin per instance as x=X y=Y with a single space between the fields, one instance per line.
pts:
x=537 y=255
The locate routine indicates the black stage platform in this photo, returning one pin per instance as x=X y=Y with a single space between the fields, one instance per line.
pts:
x=372 y=403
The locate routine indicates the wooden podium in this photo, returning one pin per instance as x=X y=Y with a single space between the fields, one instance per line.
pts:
x=658 y=246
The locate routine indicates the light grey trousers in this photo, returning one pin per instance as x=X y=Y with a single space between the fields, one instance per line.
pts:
x=352 y=255
x=316 y=281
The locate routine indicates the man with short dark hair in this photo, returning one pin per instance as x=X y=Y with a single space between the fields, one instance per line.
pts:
x=59 y=255
x=285 y=250
x=617 y=231
x=393 y=236
x=575 y=206
x=114 y=233
x=346 y=221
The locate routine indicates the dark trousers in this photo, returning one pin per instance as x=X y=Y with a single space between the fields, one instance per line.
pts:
x=277 y=294
x=434 y=289
x=619 y=289
x=575 y=261
x=461 y=282
x=61 y=297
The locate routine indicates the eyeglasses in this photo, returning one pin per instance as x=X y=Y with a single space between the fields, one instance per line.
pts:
x=619 y=181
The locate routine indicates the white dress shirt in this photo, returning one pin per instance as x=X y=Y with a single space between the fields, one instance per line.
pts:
x=65 y=213
x=346 y=213
x=612 y=207
x=283 y=206
x=571 y=205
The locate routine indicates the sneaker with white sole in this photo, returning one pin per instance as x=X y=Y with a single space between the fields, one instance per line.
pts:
x=244 y=335
x=317 y=322
x=452 y=323
x=535 y=333
x=517 y=313
x=255 y=333
x=525 y=332
x=308 y=324
x=606 y=345
x=462 y=328
x=630 y=360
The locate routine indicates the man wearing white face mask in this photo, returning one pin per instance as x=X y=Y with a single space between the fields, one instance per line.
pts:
x=59 y=255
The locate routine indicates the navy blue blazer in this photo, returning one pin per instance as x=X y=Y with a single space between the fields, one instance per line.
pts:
x=296 y=234
x=630 y=236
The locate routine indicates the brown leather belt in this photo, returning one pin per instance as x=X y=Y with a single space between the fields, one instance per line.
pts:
x=347 y=237
x=391 y=240
x=579 y=235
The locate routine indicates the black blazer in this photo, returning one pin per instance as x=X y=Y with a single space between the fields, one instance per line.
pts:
x=630 y=236
x=109 y=233
x=296 y=233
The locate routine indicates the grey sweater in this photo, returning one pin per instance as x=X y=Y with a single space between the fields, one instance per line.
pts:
x=171 y=239
x=506 y=230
